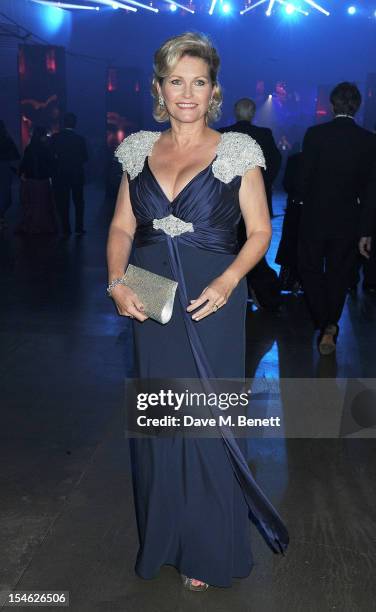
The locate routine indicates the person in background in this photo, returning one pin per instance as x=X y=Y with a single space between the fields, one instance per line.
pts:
x=338 y=157
x=284 y=145
x=263 y=283
x=287 y=254
x=38 y=207
x=367 y=244
x=70 y=155
x=244 y=111
x=8 y=154
x=368 y=264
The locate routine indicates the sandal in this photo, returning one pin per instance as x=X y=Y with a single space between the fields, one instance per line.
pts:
x=187 y=582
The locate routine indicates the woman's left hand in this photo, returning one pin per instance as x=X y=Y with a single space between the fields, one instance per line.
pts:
x=216 y=295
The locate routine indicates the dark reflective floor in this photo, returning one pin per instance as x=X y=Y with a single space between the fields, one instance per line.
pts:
x=67 y=510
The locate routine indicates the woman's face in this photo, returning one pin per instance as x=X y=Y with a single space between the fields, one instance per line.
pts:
x=187 y=90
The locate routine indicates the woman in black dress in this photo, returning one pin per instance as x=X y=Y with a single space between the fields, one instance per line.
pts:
x=181 y=197
x=38 y=207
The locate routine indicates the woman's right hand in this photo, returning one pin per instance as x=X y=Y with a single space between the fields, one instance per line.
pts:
x=127 y=303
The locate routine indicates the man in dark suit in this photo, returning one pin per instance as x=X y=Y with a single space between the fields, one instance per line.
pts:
x=244 y=112
x=287 y=254
x=369 y=267
x=263 y=282
x=70 y=154
x=337 y=209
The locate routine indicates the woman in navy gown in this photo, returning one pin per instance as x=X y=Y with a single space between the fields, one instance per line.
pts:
x=193 y=496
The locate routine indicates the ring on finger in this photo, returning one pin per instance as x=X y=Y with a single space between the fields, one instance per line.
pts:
x=215 y=307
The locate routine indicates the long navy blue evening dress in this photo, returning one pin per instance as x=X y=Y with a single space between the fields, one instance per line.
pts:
x=194 y=496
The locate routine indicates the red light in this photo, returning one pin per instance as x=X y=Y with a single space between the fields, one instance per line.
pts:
x=51 y=60
x=21 y=63
x=26 y=125
x=112 y=80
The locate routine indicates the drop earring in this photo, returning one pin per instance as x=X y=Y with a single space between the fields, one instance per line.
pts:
x=161 y=101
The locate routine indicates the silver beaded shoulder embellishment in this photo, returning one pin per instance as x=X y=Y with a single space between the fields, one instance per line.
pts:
x=236 y=153
x=173 y=225
x=133 y=150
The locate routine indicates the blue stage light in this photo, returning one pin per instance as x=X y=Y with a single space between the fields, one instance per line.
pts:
x=173 y=7
x=226 y=8
x=290 y=7
x=115 y=5
x=53 y=18
x=351 y=10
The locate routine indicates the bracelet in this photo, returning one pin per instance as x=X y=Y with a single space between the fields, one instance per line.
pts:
x=113 y=284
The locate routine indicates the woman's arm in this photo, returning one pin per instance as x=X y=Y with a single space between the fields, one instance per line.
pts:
x=121 y=232
x=119 y=246
x=254 y=207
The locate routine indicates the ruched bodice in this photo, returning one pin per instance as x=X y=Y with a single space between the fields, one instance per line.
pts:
x=209 y=204
x=209 y=201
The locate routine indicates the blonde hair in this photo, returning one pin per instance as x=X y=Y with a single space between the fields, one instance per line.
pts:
x=167 y=56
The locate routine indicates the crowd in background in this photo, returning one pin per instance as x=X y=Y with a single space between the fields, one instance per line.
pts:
x=328 y=237
x=51 y=173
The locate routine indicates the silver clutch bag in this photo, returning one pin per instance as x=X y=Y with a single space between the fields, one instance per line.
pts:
x=156 y=292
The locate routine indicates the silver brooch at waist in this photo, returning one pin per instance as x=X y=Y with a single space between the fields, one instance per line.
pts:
x=173 y=225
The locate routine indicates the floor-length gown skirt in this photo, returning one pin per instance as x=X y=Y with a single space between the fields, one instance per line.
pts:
x=38 y=208
x=190 y=509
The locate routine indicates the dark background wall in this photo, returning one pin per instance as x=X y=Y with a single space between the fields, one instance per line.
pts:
x=48 y=24
x=304 y=52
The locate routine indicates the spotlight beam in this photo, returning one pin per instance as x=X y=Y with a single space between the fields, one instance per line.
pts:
x=317 y=7
x=271 y=4
x=298 y=10
x=118 y=4
x=64 y=5
x=125 y=6
x=253 y=6
x=270 y=7
x=212 y=7
x=185 y=8
x=144 y=6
